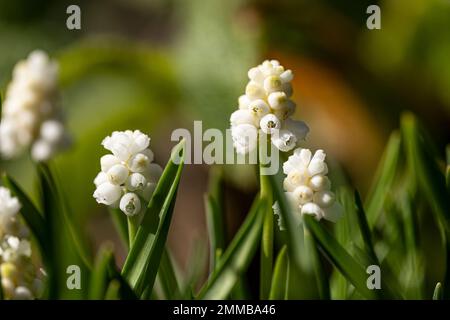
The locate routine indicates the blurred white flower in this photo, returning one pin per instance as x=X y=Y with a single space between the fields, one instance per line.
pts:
x=17 y=271
x=307 y=186
x=31 y=115
x=18 y=275
x=245 y=138
x=9 y=208
x=266 y=105
x=128 y=176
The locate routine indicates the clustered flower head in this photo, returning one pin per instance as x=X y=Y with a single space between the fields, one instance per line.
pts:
x=18 y=274
x=31 y=115
x=266 y=105
x=128 y=177
x=308 y=187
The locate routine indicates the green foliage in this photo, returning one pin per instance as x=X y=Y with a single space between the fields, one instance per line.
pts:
x=279 y=280
x=237 y=257
x=142 y=262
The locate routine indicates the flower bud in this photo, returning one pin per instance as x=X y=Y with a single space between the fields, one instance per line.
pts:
x=107 y=193
x=117 y=174
x=100 y=178
x=277 y=100
x=139 y=162
x=324 y=198
x=136 y=181
x=255 y=74
x=269 y=123
x=312 y=209
x=294 y=179
x=272 y=83
x=107 y=161
x=244 y=102
x=42 y=150
x=317 y=167
x=284 y=140
x=52 y=131
x=242 y=117
x=319 y=182
x=130 y=204
x=245 y=138
x=258 y=108
x=254 y=90
x=303 y=194
x=287 y=76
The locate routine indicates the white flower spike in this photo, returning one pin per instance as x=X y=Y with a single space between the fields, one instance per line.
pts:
x=128 y=176
x=31 y=115
x=266 y=105
x=18 y=274
x=307 y=186
x=9 y=208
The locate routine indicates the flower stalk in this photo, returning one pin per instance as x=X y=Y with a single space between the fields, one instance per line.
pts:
x=133 y=226
x=266 y=257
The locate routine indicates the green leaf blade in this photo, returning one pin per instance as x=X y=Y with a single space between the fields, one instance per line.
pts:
x=142 y=262
x=279 y=280
x=384 y=178
x=238 y=255
x=339 y=257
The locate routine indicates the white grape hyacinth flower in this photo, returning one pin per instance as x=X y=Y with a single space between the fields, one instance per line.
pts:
x=267 y=106
x=307 y=187
x=18 y=274
x=128 y=176
x=9 y=219
x=19 y=279
x=31 y=114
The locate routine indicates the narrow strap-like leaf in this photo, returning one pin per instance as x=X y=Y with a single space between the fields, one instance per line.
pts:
x=168 y=277
x=384 y=178
x=113 y=291
x=311 y=250
x=437 y=294
x=142 y=262
x=237 y=256
x=61 y=212
x=339 y=257
x=215 y=229
x=422 y=160
x=101 y=276
x=364 y=228
x=278 y=289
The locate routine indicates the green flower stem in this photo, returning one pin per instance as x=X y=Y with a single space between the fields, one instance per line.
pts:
x=319 y=273
x=267 y=236
x=133 y=225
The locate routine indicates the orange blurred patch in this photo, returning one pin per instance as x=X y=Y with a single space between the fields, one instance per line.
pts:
x=339 y=120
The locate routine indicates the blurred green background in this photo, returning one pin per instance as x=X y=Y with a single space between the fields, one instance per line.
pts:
x=158 y=65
